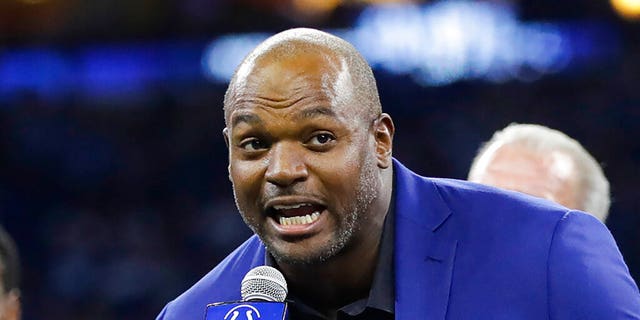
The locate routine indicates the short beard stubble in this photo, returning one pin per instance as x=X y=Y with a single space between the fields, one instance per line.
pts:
x=348 y=226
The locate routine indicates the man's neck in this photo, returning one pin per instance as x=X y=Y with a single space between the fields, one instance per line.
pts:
x=335 y=283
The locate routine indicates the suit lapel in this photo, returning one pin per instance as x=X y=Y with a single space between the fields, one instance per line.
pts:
x=424 y=257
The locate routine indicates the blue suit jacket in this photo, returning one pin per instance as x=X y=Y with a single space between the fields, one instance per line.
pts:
x=466 y=251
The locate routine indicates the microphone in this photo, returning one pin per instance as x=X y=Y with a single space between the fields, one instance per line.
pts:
x=263 y=290
x=264 y=283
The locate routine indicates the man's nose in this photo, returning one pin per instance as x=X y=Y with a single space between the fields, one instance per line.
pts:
x=286 y=165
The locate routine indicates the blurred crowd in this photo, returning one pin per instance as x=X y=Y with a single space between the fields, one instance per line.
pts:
x=114 y=210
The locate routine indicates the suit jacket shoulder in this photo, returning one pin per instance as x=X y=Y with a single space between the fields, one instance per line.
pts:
x=465 y=250
x=220 y=284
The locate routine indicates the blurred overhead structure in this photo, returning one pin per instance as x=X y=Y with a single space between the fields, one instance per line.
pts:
x=628 y=9
x=449 y=41
x=315 y=6
x=435 y=44
x=317 y=11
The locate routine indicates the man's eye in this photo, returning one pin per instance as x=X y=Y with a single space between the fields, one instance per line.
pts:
x=321 y=139
x=253 y=145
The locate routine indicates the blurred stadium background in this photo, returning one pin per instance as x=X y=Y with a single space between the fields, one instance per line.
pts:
x=112 y=165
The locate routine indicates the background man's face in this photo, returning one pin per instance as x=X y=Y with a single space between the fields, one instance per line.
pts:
x=550 y=176
x=301 y=158
x=9 y=301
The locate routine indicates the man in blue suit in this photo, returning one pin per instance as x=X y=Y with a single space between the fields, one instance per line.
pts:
x=359 y=236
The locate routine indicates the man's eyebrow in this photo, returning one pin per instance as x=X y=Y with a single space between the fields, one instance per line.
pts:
x=302 y=115
x=315 y=112
x=245 y=117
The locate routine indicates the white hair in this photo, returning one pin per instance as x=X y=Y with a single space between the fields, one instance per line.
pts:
x=594 y=196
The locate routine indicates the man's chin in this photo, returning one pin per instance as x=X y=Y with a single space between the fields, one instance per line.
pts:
x=292 y=259
x=300 y=256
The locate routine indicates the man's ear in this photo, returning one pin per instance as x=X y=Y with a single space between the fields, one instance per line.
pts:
x=13 y=307
x=225 y=133
x=383 y=132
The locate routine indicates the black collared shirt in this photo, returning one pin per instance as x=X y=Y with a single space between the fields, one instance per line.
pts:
x=379 y=305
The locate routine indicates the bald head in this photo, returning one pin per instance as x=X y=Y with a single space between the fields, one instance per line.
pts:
x=279 y=62
x=546 y=163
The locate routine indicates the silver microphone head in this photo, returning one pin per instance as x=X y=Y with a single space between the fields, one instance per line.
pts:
x=264 y=283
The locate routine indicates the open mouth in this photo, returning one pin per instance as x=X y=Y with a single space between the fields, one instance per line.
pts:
x=298 y=214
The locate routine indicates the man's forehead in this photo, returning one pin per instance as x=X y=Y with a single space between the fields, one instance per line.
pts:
x=280 y=83
x=249 y=116
x=522 y=161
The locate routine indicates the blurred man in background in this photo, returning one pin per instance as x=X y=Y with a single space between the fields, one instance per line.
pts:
x=9 y=277
x=545 y=163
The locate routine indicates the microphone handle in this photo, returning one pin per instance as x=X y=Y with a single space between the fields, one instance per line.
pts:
x=246 y=310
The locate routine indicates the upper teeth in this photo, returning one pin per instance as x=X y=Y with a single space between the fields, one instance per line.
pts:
x=290 y=206
x=285 y=221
